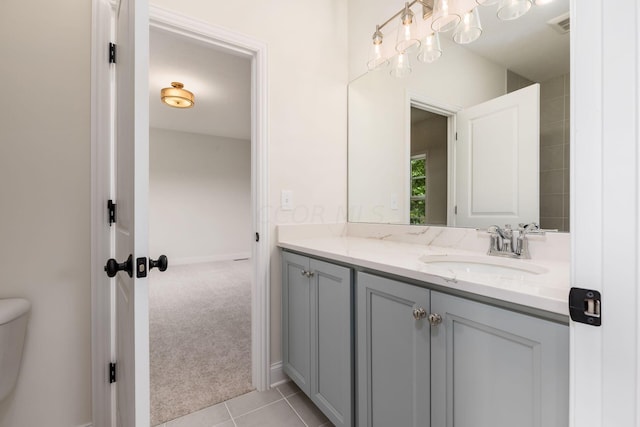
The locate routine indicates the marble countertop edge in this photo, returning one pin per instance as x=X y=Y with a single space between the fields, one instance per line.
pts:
x=548 y=292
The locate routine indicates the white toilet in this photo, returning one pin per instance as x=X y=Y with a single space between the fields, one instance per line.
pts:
x=13 y=325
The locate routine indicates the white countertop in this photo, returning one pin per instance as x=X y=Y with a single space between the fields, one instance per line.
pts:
x=546 y=291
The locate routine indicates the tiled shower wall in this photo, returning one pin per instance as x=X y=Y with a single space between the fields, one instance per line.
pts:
x=554 y=148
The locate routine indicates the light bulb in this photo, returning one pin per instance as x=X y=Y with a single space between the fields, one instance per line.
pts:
x=430 y=49
x=443 y=18
x=401 y=66
x=513 y=9
x=469 y=29
x=407 y=40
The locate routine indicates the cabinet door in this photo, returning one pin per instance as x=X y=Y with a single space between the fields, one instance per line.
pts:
x=393 y=354
x=331 y=372
x=492 y=367
x=295 y=319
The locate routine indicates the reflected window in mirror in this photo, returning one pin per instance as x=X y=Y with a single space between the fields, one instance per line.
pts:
x=418 y=190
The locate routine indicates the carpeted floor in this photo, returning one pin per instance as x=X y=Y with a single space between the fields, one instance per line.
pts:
x=200 y=336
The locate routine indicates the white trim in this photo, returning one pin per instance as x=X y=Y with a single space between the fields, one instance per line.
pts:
x=257 y=51
x=210 y=258
x=277 y=374
x=605 y=220
x=103 y=399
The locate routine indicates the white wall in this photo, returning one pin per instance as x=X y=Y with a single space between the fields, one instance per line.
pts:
x=378 y=118
x=45 y=199
x=307 y=66
x=199 y=197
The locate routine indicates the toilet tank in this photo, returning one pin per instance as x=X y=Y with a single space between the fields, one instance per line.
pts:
x=13 y=326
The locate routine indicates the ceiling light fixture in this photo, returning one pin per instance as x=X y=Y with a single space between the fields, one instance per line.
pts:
x=176 y=96
x=440 y=16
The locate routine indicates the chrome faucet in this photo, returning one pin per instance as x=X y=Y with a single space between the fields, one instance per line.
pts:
x=502 y=240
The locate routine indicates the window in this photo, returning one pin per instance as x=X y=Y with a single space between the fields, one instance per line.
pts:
x=417 y=209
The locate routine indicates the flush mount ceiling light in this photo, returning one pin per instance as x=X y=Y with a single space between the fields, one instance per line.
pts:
x=176 y=96
x=439 y=16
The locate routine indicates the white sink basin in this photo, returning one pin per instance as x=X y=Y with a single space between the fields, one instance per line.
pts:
x=484 y=265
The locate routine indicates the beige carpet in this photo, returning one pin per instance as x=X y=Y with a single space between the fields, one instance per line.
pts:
x=200 y=336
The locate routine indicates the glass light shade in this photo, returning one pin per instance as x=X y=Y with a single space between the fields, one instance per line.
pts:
x=469 y=29
x=541 y=2
x=513 y=9
x=176 y=96
x=487 y=2
x=430 y=49
x=407 y=40
x=443 y=18
x=401 y=66
x=376 y=59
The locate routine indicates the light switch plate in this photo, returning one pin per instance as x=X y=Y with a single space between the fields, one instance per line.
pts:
x=286 y=200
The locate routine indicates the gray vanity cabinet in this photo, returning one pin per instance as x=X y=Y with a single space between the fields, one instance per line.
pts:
x=492 y=367
x=474 y=365
x=393 y=353
x=317 y=333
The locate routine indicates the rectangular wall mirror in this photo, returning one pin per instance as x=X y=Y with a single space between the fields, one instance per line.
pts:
x=478 y=137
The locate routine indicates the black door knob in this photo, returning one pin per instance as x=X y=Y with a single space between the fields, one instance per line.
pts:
x=162 y=263
x=112 y=267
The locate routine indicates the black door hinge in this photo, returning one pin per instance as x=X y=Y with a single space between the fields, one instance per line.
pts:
x=112 y=373
x=257 y=237
x=112 y=53
x=456 y=136
x=111 y=210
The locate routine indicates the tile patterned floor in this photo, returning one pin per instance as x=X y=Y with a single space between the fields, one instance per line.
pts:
x=282 y=406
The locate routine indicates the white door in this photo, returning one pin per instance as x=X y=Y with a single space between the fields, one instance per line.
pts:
x=131 y=191
x=498 y=147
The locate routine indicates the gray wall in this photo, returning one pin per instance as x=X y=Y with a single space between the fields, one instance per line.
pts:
x=554 y=148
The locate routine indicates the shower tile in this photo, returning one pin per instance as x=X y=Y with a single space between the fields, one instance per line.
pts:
x=552 y=88
x=552 y=133
x=551 y=223
x=552 y=110
x=552 y=182
x=551 y=206
x=551 y=157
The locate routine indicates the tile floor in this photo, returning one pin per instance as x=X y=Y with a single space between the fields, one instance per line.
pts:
x=282 y=406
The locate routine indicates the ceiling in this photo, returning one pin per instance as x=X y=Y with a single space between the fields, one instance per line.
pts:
x=220 y=81
x=528 y=45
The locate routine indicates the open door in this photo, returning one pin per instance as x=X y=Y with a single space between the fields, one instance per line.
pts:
x=131 y=179
x=498 y=147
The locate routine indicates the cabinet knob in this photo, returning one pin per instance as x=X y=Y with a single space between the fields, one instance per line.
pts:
x=435 y=319
x=419 y=313
x=307 y=273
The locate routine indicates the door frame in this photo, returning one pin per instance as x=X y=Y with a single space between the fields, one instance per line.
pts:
x=413 y=99
x=102 y=108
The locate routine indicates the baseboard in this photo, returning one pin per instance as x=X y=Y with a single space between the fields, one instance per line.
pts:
x=277 y=375
x=210 y=258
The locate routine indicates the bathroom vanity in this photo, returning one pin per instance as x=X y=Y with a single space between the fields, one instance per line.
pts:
x=418 y=326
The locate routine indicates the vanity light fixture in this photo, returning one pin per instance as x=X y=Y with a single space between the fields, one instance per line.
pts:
x=440 y=16
x=176 y=96
x=407 y=40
